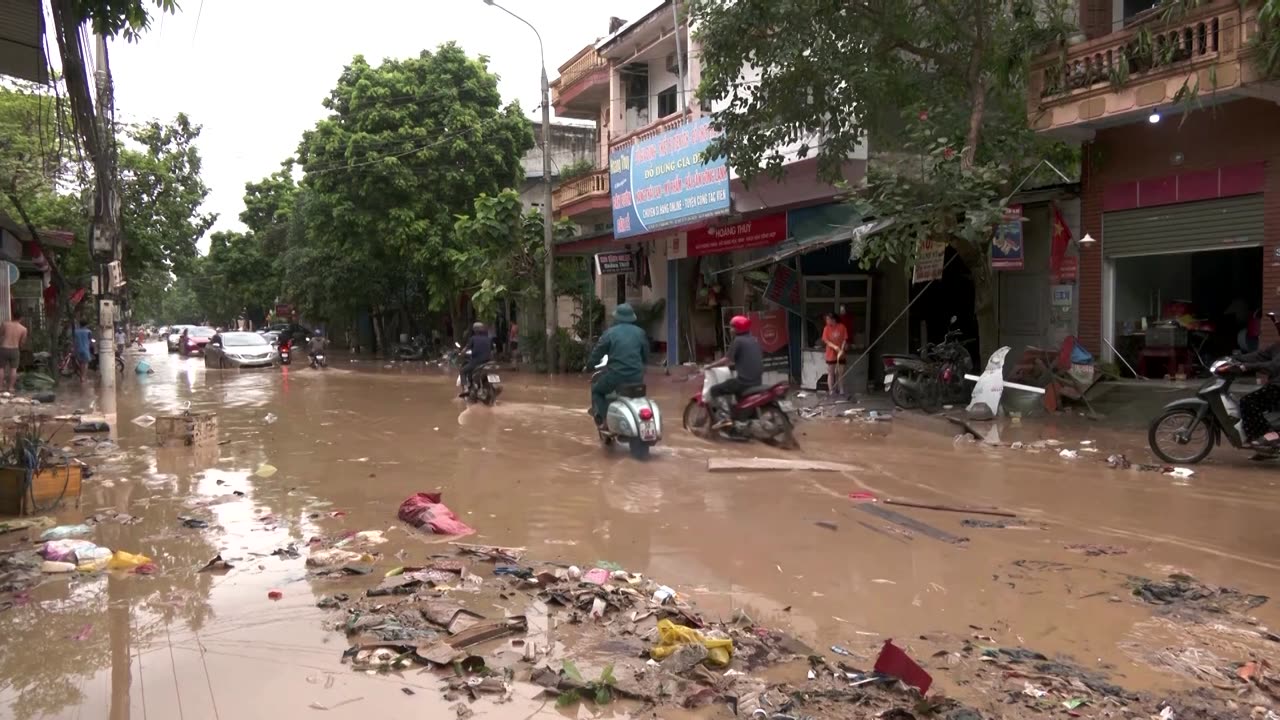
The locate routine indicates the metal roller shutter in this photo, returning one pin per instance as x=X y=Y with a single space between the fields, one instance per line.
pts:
x=1187 y=227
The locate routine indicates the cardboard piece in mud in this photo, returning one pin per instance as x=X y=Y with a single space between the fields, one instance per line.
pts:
x=186 y=429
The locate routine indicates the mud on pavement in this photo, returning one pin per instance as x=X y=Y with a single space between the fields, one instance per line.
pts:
x=1108 y=593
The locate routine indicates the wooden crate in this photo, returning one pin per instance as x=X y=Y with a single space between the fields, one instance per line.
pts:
x=186 y=429
x=48 y=485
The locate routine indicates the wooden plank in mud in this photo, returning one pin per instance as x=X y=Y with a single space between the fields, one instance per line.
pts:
x=910 y=523
x=774 y=464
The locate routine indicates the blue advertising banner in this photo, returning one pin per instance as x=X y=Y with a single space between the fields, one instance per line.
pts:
x=663 y=182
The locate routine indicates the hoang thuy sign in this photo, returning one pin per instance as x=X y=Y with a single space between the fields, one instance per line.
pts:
x=663 y=181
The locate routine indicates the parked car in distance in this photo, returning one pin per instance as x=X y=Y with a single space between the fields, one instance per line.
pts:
x=272 y=337
x=237 y=350
x=194 y=340
x=173 y=335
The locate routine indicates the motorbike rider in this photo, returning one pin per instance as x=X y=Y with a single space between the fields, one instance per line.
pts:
x=628 y=349
x=1255 y=406
x=481 y=347
x=746 y=358
x=317 y=344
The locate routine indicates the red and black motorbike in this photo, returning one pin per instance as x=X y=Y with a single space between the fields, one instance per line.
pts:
x=760 y=413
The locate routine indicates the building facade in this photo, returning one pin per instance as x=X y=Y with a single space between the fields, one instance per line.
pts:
x=714 y=250
x=1180 y=191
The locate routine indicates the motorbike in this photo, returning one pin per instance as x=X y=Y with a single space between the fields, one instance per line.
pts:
x=485 y=385
x=286 y=350
x=759 y=414
x=415 y=350
x=931 y=379
x=318 y=361
x=1187 y=430
x=631 y=418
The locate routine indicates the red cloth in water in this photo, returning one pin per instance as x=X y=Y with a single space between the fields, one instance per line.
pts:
x=425 y=512
x=893 y=661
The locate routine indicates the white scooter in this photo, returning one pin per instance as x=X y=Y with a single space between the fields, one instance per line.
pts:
x=631 y=418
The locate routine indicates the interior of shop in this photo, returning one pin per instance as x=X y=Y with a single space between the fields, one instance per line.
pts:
x=1176 y=313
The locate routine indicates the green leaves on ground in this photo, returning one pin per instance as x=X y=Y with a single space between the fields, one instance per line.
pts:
x=600 y=691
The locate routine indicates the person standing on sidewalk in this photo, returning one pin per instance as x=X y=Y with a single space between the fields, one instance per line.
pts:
x=82 y=344
x=13 y=335
x=836 y=339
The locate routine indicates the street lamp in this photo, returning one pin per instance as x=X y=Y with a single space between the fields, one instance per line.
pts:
x=548 y=238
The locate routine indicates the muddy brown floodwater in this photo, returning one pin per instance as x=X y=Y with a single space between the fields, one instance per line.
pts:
x=352 y=442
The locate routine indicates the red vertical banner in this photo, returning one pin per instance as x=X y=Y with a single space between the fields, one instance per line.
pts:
x=1062 y=267
x=770 y=328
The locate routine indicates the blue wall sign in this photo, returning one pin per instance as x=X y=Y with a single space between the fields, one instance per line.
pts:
x=662 y=181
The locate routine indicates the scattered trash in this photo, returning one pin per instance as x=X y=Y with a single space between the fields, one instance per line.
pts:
x=144 y=421
x=217 y=564
x=999 y=524
x=56 y=566
x=663 y=594
x=862 y=496
x=265 y=470
x=1033 y=691
x=1180 y=472
x=882 y=581
x=64 y=550
x=1074 y=703
x=274 y=595
x=1117 y=462
x=92 y=427
x=270 y=418
x=596 y=576
x=194 y=523
x=827 y=524
x=1166 y=713
x=1186 y=590
x=331 y=557
x=425 y=512
x=1068 y=454
x=1097 y=550
x=951 y=508
x=672 y=636
x=332 y=602
x=841 y=651
x=62 y=532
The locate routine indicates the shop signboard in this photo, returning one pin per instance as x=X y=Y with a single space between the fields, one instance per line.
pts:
x=615 y=263
x=747 y=235
x=930 y=260
x=663 y=181
x=770 y=328
x=1006 y=248
x=784 y=287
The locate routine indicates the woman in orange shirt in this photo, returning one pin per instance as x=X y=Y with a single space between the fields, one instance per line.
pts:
x=836 y=340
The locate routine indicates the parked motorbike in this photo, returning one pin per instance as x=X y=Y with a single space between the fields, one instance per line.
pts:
x=415 y=350
x=931 y=379
x=631 y=418
x=485 y=385
x=759 y=414
x=1187 y=430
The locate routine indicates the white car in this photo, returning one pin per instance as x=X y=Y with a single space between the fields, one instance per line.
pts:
x=175 y=332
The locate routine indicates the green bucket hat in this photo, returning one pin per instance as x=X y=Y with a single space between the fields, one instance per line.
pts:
x=624 y=314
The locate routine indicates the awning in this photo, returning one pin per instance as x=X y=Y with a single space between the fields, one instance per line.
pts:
x=857 y=234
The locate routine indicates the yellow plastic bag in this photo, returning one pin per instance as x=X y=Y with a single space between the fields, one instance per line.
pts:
x=672 y=636
x=126 y=561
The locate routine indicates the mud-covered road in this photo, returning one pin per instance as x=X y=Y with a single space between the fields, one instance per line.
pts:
x=352 y=442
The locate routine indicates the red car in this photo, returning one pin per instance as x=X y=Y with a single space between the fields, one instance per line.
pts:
x=194 y=339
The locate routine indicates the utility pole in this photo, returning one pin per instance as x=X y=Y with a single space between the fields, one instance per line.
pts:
x=105 y=246
x=673 y=266
x=548 y=232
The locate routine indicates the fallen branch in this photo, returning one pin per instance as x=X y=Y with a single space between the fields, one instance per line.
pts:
x=948 y=508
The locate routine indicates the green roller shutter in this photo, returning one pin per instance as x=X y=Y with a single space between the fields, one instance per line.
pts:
x=1186 y=227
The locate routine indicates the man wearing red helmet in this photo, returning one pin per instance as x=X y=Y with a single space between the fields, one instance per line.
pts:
x=746 y=358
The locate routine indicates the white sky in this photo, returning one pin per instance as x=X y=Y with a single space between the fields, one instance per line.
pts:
x=253 y=72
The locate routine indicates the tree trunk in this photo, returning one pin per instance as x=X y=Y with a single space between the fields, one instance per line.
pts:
x=978 y=260
x=375 y=319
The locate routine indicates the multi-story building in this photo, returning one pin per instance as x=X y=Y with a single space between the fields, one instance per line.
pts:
x=1180 y=202
x=691 y=226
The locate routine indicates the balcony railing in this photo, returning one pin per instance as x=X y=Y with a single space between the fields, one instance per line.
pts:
x=657 y=127
x=586 y=63
x=1145 y=50
x=594 y=184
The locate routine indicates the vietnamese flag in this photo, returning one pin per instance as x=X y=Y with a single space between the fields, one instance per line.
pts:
x=1062 y=267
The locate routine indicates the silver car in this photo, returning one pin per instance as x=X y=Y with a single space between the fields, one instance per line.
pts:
x=237 y=350
x=174 y=334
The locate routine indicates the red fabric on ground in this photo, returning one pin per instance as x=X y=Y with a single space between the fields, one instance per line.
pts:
x=425 y=512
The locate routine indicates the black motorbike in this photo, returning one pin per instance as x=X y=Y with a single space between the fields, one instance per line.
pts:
x=318 y=360
x=931 y=379
x=417 y=349
x=1187 y=430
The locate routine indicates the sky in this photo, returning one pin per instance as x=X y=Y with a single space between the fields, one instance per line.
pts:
x=254 y=72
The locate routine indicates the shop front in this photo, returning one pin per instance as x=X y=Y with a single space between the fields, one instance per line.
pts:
x=1183 y=281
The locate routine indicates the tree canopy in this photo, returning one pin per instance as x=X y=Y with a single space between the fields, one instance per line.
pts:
x=938 y=87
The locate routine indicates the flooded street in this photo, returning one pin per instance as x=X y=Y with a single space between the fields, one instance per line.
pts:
x=351 y=443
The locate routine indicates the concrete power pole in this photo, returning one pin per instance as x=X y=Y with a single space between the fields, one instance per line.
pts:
x=106 y=246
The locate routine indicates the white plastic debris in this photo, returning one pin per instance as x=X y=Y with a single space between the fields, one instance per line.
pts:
x=1035 y=692
x=144 y=421
x=1068 y=454
x=270 y=418
x=1166 y=713
x=1181 y=472
x=663 y=594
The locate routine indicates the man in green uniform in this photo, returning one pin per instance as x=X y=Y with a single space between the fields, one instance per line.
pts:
x=628 y=349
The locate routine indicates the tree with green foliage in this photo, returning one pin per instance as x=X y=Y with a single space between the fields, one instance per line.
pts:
x=161 y=192
x=937 y=85
x=229 y=279
x=408 y=146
